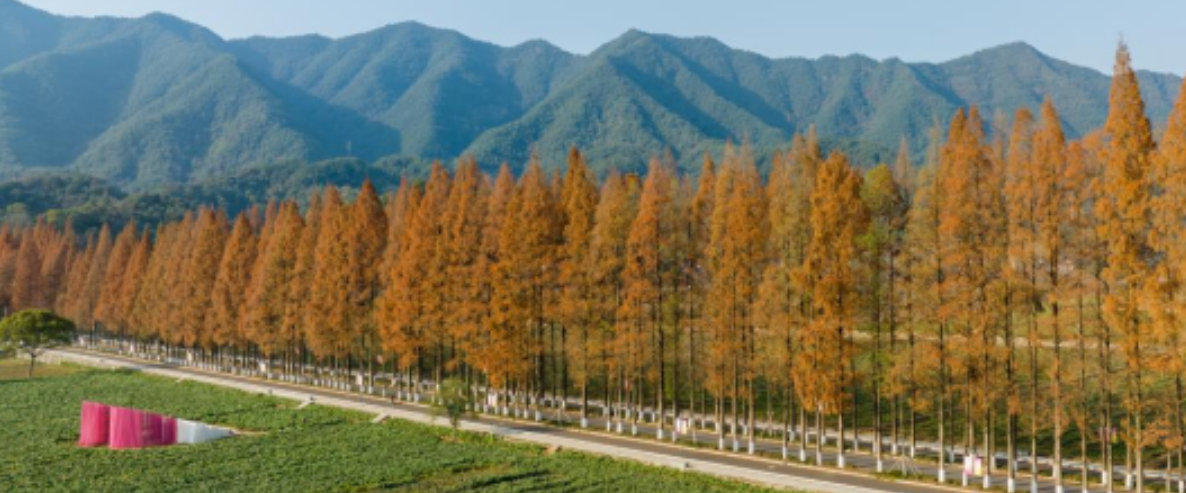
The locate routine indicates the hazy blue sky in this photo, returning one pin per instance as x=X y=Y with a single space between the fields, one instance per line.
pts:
x=1083 y=31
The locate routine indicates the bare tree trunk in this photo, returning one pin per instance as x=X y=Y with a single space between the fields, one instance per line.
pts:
x=1012 y=419
x=661 y=390
x=819 y=436
x=913 y=394
x=675 y=374
x=1056 y=392
x=1084 y=430
x=1033 y=347
x=840 y=341
x=877 y=396
x=692 y=370
x=942 y=411
x=786 y=422
x=1138 y=416
x=585 y=374
x=1178 y=426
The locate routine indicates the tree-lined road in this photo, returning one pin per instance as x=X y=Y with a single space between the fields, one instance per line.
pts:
x=707 y=461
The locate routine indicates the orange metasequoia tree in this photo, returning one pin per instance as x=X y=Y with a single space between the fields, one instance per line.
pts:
x=881 y=244
x=201 y=272
x=367 y=235
x=579 y=200
x=1124 y=226
x=463 y=220
x=329 y=284
x=1020 y=275
x=645 y=281
x=272 y=280
x=229 y=294
x=1167 y=297
x=107 y=308
x=615 y=213
x=838 y=218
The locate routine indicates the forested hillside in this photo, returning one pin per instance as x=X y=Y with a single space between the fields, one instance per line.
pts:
x=159 y=101
x=88 y=203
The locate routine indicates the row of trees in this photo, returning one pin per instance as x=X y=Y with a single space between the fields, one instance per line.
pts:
x=1015 y=287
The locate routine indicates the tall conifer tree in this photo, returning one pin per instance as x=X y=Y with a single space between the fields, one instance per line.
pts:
x=1125 y=219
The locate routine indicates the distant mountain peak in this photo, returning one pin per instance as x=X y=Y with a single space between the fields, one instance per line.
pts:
x=630 y=40
x=13 y=11
x=411 y=27
x=1018 y=45
x=538 y=44
x=634 y=35
x=405 y=26
x=180 y=27
x=14 y=5
x=1016 y=50
x=858 y=57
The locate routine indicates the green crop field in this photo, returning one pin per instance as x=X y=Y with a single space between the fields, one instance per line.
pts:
x=283 y=449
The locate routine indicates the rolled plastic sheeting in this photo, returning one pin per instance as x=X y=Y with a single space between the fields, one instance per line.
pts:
x=127 y=429
x=95 y=426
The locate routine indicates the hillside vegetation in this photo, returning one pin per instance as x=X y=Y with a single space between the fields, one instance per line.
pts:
x=157 y=100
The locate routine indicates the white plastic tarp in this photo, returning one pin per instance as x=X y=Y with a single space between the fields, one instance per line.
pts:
x=192 y=432
x=210 y=433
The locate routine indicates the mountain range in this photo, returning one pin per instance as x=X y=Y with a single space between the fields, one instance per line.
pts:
x=157 y=100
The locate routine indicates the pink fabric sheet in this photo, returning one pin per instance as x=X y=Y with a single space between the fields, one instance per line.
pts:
x=153 y=425
x=169 y=431
x=127 y=429
x=93 y=431
x=124 y=428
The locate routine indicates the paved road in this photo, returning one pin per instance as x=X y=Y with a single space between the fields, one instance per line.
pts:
x=730 y=465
